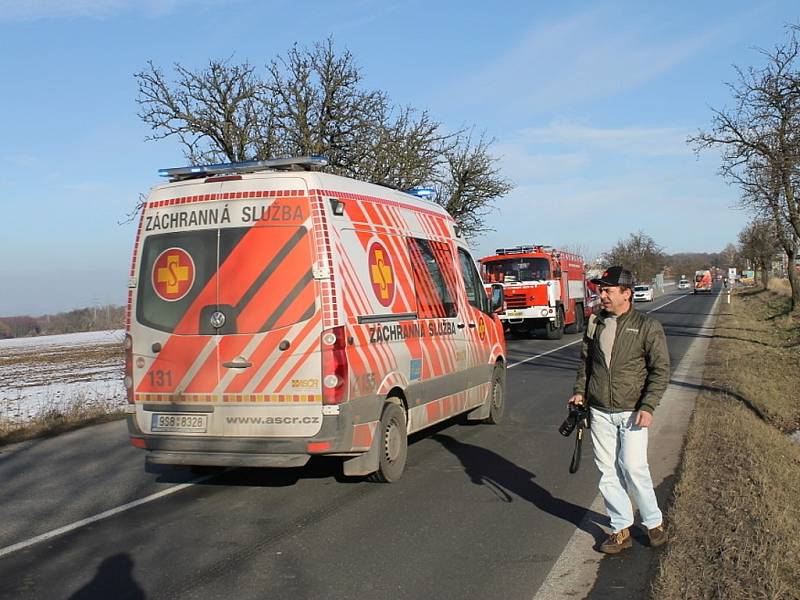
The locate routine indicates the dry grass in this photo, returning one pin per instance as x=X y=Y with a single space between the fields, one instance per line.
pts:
x=47 y=388
x=735 y=520
x=55 y=420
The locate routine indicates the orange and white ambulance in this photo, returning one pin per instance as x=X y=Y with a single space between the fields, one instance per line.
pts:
x=277 y=312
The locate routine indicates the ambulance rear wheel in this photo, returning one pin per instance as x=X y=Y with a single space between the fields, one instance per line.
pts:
x=497 y=397
x=393 y=445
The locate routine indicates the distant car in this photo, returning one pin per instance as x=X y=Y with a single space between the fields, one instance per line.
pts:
x=642 y=293
x=684 y=284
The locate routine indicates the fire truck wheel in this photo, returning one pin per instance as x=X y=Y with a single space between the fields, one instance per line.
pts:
x=497 y=397
x=394 y=445
x=577 y=326
x=555 y=329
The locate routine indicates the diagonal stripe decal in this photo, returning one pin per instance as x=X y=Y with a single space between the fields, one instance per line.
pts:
x=277 y=260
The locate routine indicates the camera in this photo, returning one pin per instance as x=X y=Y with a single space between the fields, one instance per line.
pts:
x=578 y=417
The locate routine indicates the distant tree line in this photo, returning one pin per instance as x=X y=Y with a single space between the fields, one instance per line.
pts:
x=96 y=318
x=640 y=253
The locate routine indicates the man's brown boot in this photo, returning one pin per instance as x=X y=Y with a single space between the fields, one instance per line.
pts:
x=617 y=542
x=657 y=536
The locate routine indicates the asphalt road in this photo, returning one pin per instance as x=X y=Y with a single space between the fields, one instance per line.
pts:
x=481 y=511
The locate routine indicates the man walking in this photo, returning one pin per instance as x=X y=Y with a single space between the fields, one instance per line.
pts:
x=623 y=374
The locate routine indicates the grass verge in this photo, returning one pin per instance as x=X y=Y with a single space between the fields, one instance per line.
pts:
x=734 y=523
x=54 y=421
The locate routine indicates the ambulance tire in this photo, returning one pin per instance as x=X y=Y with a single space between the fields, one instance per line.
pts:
x=393 y=445
x=555 y=330
x=497 y=397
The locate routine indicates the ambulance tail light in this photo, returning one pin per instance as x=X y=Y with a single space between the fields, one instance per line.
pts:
x=334 y=366
x=128 y=379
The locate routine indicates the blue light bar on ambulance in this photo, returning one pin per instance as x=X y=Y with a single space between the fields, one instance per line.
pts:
x=293 y=163
x=425 y=193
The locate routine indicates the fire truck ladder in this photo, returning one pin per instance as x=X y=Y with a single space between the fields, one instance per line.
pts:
x=294 y=163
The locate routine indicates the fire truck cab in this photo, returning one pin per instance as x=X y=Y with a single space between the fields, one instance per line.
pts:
x=544 y=289
x=277 y=312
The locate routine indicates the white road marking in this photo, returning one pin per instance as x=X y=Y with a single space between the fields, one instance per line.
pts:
x=530 y=358
x=99 y=517
x=667 y=303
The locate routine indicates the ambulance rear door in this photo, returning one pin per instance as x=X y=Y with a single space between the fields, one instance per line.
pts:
x=220 y=348
x=268 y=357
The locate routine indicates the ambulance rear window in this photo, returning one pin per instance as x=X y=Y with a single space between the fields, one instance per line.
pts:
x=259 y=277
x=175 y=268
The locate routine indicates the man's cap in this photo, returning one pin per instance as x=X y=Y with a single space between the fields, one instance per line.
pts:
x=614 y=276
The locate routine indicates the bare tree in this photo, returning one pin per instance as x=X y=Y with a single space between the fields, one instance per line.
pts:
x=313 y=101
x=759 y=245
x=406 y=151
x=581 y=250
x=469 y=181
x=318 y=107
x=639 y=253
x=759 y=141
x=729 y=257
x=215 y=112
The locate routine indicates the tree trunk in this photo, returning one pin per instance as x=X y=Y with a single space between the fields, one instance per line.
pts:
x=794 y=279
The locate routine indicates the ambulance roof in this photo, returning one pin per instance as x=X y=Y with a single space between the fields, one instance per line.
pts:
x=314 y=180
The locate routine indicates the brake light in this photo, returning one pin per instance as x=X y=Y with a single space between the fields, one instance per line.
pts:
x=334 y=365
x=128 y=379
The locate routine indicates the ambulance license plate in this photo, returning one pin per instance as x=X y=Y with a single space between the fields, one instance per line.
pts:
x=179 y=422
x=514 y=313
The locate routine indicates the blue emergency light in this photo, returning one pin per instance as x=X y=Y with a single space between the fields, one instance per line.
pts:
x=249 y=166
x=426 y=193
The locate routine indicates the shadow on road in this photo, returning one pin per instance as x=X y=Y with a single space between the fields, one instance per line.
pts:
x=628 y=575
x=114 y=579
x=485 y=467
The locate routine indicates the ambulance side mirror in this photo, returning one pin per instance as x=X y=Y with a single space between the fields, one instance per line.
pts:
x=497 y=299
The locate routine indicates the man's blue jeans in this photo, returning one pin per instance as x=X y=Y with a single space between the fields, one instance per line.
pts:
x=620 y=452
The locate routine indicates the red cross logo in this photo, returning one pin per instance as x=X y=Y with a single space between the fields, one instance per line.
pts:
x=381 y=273
x=173 y=274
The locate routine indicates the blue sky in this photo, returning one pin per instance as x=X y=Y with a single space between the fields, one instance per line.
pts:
x=590 y=105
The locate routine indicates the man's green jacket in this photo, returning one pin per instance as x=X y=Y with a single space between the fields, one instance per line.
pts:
x=639 y=371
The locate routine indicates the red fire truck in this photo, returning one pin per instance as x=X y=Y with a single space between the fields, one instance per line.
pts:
x=544 y=289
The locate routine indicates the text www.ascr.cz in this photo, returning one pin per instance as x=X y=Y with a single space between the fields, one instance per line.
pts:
x=271 y=420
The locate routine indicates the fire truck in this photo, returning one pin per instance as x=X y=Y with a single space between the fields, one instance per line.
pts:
x=544 y=288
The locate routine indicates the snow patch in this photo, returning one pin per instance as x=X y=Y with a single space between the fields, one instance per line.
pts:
x=51 y=374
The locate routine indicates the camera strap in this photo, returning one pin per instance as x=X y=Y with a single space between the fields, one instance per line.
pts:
x=575 y=463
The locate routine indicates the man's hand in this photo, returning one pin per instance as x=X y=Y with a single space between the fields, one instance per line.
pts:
x=643 y=418
x=576 y=399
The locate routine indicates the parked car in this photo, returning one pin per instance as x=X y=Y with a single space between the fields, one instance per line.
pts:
x=684 y=284
x=642 y=293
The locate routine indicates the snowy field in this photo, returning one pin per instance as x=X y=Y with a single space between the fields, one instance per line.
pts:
x=51 y=373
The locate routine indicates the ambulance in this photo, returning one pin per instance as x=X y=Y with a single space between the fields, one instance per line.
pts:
x=277 y=312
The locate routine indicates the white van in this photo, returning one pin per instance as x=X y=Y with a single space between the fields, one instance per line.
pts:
x=276 y=313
